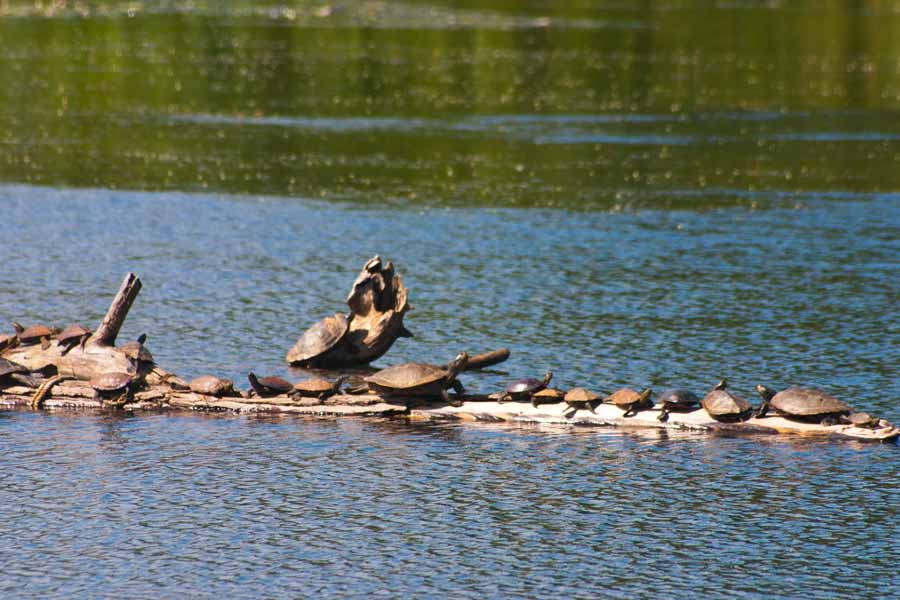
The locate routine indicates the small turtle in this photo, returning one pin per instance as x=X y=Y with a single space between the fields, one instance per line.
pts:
x=631 y=401
x=420 y=380
x=523 y=390
x=266 y=387
x=211 y=385
x=723 y=405
x=73 y=335
x=580 y=398
x=8 y=341
x=802 y=404
x=316 y=341
x=861 y=419
x=547 y=396
x=113 y=387
x=12 y=372
x=677 y=400
x=35 y=334
x=136 y=352
x=318 y=387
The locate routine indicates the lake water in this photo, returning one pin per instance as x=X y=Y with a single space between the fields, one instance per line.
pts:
x=627 y=193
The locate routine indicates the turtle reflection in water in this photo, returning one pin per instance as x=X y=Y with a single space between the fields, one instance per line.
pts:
x=420 y=380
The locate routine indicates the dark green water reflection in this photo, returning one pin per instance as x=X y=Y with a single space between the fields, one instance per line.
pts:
x=583 y=104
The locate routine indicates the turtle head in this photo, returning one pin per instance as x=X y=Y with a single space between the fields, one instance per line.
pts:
x=721 y=385
x=142 y=338
x=547 y=378
x=18 y=327
x=645 y=395
x=459 y=363
x=767 y=393
x=336 y=386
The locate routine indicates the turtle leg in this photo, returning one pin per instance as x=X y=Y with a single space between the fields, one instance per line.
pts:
x=630 y=412
x=451 y=401
x=84 y=340
x=457 y=387
x=830 y=420
x=663 y=414
x=592 y=407
x=45 y=343
x=569 y=411
x=66 y=349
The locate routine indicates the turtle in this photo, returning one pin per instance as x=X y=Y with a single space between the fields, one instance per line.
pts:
x=547 y=396
x=723 y=405
x=114 y=387
x=14 y=372
x=522 y=390
x=420 y=380
x=861 y=419
x=580 y=398
x=267 y=387
x=136 y=352
x=318 y=387
x=630 y=401
x=8 y=341
x=677 y=400
x=211 y=385
x=35 y=334
x=803 y=404
x=73 y=335
x=316 y=341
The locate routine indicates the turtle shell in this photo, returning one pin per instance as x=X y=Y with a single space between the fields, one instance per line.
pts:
x=270 y=386
x=678 y=398
x=111 y=382
x=319 y=339
x=528 y=385
x=72 y=333
x=407 y=376
x=805 y=402
x=211 y=385
x=549 y=395
x=623 y=397
x=581 y=394
x=131 y=351
x=722 y=403
x=318 y=386
x=861 y=419
x=8 y=367
x=34 y=334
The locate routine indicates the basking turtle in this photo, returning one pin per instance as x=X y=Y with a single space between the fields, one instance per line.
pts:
x=211 y=385
x=73 y=335
x=318 y=387
x=12 y=372
x=723 y=405
x=113 y=387
x=861 y=419
x=631 y=401
x=523 y=390
x=8 y=341
x=677 y=400
x=580 y=398
x=316 y=341
x=420 y=380
x=266 y=387
x=35 y=334
x=136 y=352
x=802 y=404
x=547 y=396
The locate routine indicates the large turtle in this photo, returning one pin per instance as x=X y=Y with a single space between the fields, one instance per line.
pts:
x=35 y=334
x=114 y=387
x=802 y=404
x=631 y=401
x=420 y=380
x=318 y=387
x=73 y=335
x=677 y=400
x=314 y=344
x=580 y=398
x=266 y=387
x=12 y=372
x=723 y=405
x=523 y=390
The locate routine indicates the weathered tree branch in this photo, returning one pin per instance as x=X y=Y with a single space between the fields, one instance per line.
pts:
x=108 y=330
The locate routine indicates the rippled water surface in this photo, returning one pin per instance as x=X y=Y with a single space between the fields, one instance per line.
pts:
x=627 y=193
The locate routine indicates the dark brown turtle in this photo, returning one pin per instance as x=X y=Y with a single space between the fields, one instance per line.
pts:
x=723 y=405
x=580 y=398
x=677 y=400
x=113 y=387
x=35 y=334
x=136 y=352
x=211 y=385
x=12 y=373
x=320 y=388
x=420 y=380
x=8 y=341
x=803 y=404
x=316 y=341
x=266 y=387
x=523 y=390
x=73 y=335
x=547 y=396
x=631 y=401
